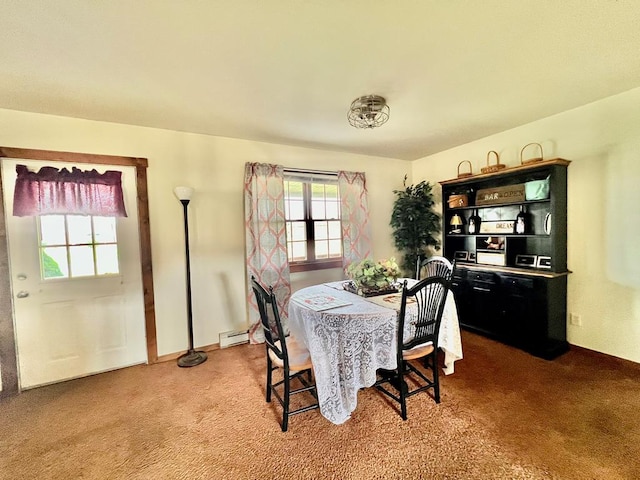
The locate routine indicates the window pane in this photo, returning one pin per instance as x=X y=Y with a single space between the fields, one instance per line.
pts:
x=322 y=249
x=54 y=262
x=299 y=251
x=312 y=211
x=106 y=259
x=81 y=261
x=335 y=248
x=334 y=229
x=294 y=210
x=52 y=230
x=104 y=229
x=317 y=191
x=298 y=232
x=333 y=210
x=79 y=229
x=320 y=230
x=293 y=190
x=331 y=192
x=317 y=209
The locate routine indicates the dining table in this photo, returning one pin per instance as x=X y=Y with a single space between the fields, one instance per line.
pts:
x=350 y=337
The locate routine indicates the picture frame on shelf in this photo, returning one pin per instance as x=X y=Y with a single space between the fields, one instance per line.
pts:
x=527 y=261
x=461 y=255
x=543 y=262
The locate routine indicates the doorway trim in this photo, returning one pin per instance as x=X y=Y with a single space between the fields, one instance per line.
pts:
x=8 y=352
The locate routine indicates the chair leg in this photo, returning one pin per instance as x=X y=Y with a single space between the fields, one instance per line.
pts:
x=287 y=396
x=402 y=388
x=436 y=376
x=269 y=378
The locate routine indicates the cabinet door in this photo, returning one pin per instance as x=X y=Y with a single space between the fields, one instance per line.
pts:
x=520 y=318
x=460 y=289
x=483 y=313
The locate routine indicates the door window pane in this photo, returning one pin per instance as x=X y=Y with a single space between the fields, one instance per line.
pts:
x=82 y=263
x=54 y=262
x=106 y=259
x=52 y=230
x=79 y=229
x=104 y=229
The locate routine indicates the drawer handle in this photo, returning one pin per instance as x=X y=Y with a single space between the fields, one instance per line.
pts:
x=481 y=289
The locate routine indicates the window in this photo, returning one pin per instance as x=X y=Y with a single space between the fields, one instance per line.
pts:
x=77 y=246
x=312 y=212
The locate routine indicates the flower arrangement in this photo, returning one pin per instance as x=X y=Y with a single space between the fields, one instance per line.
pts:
x=368 y=275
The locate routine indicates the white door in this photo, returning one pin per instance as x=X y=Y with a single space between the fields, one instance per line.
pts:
x=88 y=315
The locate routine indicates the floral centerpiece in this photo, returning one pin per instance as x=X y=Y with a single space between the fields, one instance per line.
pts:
x=370 y=278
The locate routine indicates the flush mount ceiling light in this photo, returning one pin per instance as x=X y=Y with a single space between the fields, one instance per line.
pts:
x=368 y=112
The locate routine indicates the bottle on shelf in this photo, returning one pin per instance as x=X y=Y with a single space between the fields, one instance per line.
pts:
x=521 y=225
x=474 y=223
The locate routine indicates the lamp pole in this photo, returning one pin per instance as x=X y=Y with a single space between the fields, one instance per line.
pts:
x=192 y=357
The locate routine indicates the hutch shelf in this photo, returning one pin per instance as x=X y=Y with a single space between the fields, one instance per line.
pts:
x=507 y=231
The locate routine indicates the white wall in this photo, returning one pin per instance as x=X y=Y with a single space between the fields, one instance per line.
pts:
x=602 y=140
x=214 y=166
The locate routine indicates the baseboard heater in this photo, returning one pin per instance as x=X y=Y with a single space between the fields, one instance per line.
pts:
x=237 y=337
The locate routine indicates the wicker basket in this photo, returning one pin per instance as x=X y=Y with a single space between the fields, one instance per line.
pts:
x=465 y=174
x=534 y=159
x=493 y=168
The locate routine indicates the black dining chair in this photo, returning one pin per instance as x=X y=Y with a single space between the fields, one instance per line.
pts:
x=435 y=266
x=427 y=299
x=285 y=353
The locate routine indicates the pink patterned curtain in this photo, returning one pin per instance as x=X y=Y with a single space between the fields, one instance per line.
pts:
x=356 y=229
x=52 y=191
x=266 y=240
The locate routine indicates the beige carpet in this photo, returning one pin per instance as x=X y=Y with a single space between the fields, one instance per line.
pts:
x=504 y=415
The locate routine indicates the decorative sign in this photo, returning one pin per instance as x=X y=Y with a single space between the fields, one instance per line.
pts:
x=500 y=226
x=498 y=195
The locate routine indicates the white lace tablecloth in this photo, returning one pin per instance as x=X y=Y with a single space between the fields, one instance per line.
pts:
x=349 y=343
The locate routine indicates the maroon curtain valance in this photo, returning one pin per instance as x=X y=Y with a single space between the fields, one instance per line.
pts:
x=60 y=191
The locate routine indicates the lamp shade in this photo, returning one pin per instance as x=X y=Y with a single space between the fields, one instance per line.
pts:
x=183 y=193
x=456 y=221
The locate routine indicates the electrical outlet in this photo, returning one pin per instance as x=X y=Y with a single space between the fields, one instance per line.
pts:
x=575 y=319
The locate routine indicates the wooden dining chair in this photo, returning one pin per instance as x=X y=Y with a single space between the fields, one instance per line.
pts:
x=285 y=353
x=435 y=266
x=427 y=298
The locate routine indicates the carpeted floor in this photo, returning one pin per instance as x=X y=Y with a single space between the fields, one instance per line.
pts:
x=504 y=415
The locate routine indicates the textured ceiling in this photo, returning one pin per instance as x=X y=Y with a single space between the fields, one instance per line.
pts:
x=285 y=71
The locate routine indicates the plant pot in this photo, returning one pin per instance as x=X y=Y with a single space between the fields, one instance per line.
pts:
x=365 y=291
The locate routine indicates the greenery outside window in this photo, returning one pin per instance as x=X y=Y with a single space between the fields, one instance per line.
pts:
x=312 y=212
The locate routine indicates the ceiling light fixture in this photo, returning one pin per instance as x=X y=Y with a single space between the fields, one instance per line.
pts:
x=368 y=112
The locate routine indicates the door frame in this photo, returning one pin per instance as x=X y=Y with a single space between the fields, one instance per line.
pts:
x=8 y=352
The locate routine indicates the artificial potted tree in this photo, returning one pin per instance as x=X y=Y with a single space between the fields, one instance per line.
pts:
x=415 y=223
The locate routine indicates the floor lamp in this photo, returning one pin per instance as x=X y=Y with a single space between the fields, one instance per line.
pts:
x=191 y=358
